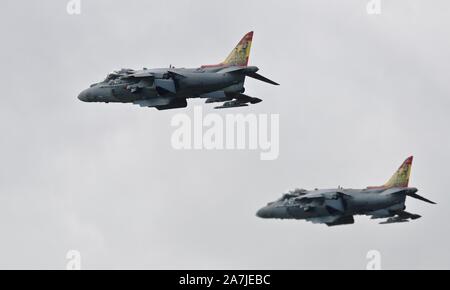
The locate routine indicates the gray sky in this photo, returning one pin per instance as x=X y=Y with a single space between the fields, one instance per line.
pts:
x=359 y=93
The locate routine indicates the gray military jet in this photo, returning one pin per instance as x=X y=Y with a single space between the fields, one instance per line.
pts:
x=338 y=206
x=168 y=88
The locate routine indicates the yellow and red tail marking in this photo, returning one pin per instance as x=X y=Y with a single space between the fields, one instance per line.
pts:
x=239 y=55
x=400 y=177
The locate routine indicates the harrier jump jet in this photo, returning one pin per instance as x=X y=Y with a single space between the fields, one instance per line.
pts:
x=338 y=206
x=168 y=88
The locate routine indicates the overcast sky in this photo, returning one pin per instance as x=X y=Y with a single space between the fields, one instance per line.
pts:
x=359 y=93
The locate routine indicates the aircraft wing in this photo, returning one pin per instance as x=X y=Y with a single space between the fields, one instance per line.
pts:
x=309 y=204
x=319 y=199
x=334 y=202
x=407 y=191
x=332 y=195
x=175 y=74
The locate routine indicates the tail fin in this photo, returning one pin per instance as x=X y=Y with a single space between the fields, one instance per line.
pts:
x=401 y=176
x=240 y=54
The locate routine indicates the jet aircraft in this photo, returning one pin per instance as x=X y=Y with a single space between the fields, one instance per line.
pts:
x=338 y=206
x=168 y=88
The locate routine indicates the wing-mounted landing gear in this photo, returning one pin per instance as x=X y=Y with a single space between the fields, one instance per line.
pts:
x=231 y=104
x=240 y=100
x=230 y=100
x=401 y=217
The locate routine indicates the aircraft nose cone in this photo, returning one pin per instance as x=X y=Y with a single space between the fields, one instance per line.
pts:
x=84 y=96
x=264 y=213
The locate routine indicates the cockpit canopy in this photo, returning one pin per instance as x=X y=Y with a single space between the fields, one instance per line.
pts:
x=286 y=196
x=293 y=193
x=111 y=76
x=117 y=74
x=298 y=191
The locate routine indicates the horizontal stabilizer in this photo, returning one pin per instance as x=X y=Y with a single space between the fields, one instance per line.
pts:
x=415 y=195
x=261 y=78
